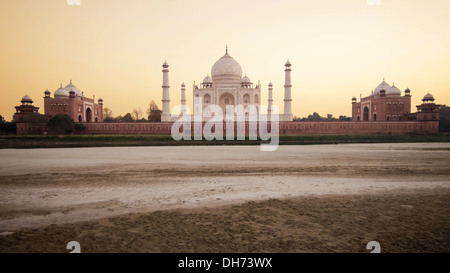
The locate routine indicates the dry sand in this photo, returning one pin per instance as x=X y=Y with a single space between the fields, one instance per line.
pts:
x=227 y=198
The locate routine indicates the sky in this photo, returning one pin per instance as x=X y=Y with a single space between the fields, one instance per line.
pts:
x=114 y=49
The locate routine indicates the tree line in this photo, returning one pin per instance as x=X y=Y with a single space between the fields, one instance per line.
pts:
x=316 y=117
x=137 y=115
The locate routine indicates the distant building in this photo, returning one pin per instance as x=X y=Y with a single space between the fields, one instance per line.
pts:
x=71 y=101
x=427 y=111
x=27 y=107
x=226 y=86
x=386 y=103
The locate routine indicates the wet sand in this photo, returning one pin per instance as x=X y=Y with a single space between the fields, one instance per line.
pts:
x=321 y=198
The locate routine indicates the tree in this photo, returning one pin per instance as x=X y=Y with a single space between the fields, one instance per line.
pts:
x=444 y=118
x=108 y=119
x=61 y=123
x=136 y=113
x=79 y=127
x=153 y=112
x=330 y=117
x=107 y=113
x=34 y=118
x=117 y=119
x=315 y=117
x=127 y=118
x=7 y=127
x=344 y=118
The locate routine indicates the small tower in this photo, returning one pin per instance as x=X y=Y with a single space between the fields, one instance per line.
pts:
x=165 y=97
x=353 y=100
x=27 y=107
x=270 y=100
x=183 y=99
x=287 y=92
x=428 y=110
x=407 y=92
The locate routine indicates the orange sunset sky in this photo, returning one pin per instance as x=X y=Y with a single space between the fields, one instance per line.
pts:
x=114 y=49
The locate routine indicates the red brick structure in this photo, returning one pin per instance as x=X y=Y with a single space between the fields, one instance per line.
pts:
x=27 y=107
x=71 y=101
x=31 y=128
x=428 y=110
x=286 y=127
x=387 y=104
x=384 y=104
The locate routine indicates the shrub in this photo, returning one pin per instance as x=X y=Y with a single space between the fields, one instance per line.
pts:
x=61 y=123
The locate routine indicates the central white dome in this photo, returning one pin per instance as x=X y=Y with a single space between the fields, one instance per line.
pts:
x=71 y=87
x=382 y=86
x=226 y=67
x=61 y=92
x=393 y=91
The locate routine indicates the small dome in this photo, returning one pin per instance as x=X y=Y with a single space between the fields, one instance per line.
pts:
x=71 y=87
x=226 y=67
x=428 y=97
x=354 y=98
x=246 y=79
x=207 y=79
x=61 y=92
x=287 y=64
x=381 y=86
x=47 y=92
x=407 y=90
x=26 y=98
x=393 y=91
x=270 y=84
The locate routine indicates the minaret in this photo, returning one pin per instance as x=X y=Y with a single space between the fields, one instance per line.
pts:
x=270 y=101
x=287 y=92
x=183 y=99
x=165 y=97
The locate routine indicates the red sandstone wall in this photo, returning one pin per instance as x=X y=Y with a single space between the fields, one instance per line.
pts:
x=286 y=128
x=31 y=128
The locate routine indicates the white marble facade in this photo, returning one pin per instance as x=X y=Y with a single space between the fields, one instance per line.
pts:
x=226 y=86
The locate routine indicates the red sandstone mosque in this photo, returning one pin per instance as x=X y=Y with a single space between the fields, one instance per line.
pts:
x=71 y=101
x=386 y=103
x=385 y=110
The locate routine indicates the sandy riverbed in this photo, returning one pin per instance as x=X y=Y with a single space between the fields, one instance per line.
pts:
x=170 y=199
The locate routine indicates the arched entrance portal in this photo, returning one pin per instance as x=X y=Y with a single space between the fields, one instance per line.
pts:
x=366 y=113
x=224 y=100
x=88 y=115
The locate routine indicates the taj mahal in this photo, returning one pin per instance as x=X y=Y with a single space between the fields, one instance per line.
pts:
x=227 y=86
